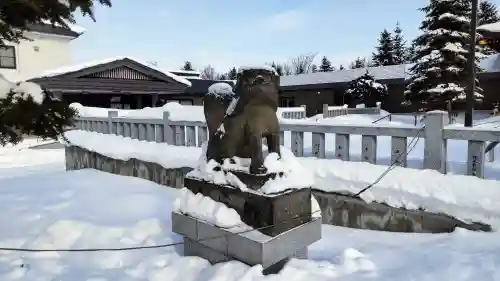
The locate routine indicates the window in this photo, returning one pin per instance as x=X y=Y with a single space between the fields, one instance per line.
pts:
x=8 y=57
x=287 y=102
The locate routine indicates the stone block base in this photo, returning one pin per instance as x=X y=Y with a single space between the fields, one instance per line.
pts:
x=219 y=245
x=280 y=212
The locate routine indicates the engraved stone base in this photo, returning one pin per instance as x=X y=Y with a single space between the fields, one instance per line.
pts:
x=284 y=211
x=219 y=245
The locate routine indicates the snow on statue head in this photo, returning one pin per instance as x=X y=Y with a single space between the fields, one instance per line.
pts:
x=237 y=125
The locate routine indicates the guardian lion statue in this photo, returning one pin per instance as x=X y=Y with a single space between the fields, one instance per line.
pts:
x=238 y=123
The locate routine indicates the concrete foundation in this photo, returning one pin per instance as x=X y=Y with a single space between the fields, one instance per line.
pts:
x=219 y=245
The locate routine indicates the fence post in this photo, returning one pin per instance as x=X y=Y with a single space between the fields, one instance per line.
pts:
x=168 y=133
x=491 y=155
x=435 y=144
x=305 y=111
x=111 y=114
x=325 y=110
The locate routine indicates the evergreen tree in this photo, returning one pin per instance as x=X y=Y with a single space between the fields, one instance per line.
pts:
x=26 y=109
x=488 y=13
x=188 y=66
x=441 y=57
x=232 y=74
x=314 y=68
x=365 y=89
x=278 y=67
x=326 y=65
x=385 y=50
x=17 y=16
x=399 y=45
x=411 y=52
x=358 y=63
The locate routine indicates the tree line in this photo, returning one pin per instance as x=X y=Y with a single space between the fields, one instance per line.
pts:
x=439 y=58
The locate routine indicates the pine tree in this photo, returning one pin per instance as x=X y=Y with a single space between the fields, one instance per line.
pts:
x=17 y=16
x=385 y=50
x=26 y=108
x=326 y=65
x=399 y=45
x=366 y=90
x=411 y=52
x=488 y=13
x=441 y=57
x=314 y=68
x=358 y=63
x=232 y=74
x=29 y=110
x=278 y=67
x=188 y=66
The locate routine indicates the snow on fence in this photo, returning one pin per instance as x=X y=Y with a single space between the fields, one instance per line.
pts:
x=334 y=111
x=194 y=133
x=293 y=112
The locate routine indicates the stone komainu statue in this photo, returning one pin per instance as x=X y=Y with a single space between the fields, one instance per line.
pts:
x=251 y=117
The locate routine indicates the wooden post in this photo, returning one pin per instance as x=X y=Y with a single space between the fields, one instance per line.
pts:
x=325 y=110
x=435 y=144
x=168 y=133
x=111 y=114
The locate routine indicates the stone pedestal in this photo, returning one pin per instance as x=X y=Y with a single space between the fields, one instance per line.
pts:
x=282 y=224
x=220 y=245
x=278 y=213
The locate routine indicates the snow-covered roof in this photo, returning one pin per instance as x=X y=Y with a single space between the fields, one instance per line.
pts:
x=339 y=76
x=78 y=67
x=186 y=71
x=489 y=64
x=73 y=27
x=490 y=27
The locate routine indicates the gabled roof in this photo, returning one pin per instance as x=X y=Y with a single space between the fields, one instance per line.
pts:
x=88 y=68
x=47 y=27
x=490 y=64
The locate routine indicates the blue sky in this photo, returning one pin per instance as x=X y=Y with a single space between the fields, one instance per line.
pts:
x=227 y=33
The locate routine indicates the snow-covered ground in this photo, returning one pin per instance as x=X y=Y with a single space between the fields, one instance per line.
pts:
x=90 y=209
x=402 y=187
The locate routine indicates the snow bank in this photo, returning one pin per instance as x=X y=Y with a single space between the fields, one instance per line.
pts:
x=121 y=148
x=206 y=209
x=401 y=187
x=177 y=112
x=91 y=209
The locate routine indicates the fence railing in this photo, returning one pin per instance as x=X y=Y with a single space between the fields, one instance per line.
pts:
x=435 y=132
x=293 y=112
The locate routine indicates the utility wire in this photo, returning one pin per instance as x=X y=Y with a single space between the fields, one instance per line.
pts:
x=391 y=167
x=156 y=246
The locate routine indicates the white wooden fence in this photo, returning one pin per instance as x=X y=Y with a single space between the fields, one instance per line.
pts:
x=194 y=133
